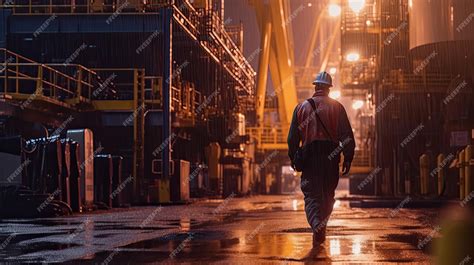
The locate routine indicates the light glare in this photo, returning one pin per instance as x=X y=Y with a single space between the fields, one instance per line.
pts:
x=356 y=5
x=335 y=94
x=334 y=10
x=352 y=57
x=357 y=104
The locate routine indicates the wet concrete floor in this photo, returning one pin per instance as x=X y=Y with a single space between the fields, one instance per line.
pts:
x=252 y=230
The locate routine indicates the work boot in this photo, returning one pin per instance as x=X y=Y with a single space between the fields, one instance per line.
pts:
x=319 y=237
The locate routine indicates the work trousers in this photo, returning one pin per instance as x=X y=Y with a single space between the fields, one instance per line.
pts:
x=318 y=183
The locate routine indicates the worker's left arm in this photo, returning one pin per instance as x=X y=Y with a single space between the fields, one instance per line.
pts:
x=294 y=136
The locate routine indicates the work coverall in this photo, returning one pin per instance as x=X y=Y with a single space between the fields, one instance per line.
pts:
x=321 y=173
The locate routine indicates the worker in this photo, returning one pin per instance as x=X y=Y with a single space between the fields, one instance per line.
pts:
x=320 y=125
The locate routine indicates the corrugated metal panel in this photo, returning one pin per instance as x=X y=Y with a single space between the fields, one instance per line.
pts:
x=4 y=14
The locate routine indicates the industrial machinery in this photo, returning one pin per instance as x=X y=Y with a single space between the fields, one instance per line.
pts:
x=410 y=64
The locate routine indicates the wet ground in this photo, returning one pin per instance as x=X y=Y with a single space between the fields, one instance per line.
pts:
x=252 y=230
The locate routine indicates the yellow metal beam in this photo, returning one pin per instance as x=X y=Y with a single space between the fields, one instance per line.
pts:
x=278 y=58
x=312 y=44
x=113 y=104
x=330 y=46
x=265 y=42
x=283 y=66
x=281 y=146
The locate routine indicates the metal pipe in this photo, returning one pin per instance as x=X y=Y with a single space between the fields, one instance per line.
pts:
x=167 y=14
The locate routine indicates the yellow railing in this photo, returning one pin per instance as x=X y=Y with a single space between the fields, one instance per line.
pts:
x=115 y=84
x=401 y=79
x=83 y=81
x=268 y=137
x=106 y=89
x=153 y=89
x=185 y=99
x=20 y=75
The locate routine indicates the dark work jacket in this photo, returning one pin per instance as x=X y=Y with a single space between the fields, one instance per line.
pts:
x=305 y=127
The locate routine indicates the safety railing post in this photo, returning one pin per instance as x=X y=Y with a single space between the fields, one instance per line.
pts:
x=468 y=171
x=17 y=80
x=424 y=172
x=79 y=82
x=39 y=80
x=54 y=80
x=91 y=86
x=441 y=173
x=5 y=71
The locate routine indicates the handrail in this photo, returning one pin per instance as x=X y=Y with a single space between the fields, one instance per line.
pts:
x=267 y=134
x=16 y=55
x=118 y=81
x=56 y=82
x=75 y=7
x=44 y=77
x=22 y=75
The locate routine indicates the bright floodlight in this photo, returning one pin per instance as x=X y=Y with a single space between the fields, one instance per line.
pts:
x=352 y=57
x=332 y=70
x=335 y=94
x=357 y=104
x=334 y=10
x=356 y=5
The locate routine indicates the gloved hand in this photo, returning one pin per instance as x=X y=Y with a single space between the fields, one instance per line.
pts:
x=346 y=166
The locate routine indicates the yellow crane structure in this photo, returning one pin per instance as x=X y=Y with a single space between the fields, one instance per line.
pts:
x=276 y=55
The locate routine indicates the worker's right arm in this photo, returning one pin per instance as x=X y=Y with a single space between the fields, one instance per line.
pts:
x=346 y=136
x=294 y=136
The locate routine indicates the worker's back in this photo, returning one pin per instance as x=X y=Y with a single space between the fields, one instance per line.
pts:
x=330 y=112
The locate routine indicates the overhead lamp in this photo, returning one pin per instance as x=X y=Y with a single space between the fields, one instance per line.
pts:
x=356 y=5
x=357 y=104
x=334 y=10
x=333 y=70
x=353 y=57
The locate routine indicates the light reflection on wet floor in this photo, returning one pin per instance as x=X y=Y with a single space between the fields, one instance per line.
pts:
x=277 y=232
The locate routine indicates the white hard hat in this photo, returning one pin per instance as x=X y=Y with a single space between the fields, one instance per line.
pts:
x=323 y=78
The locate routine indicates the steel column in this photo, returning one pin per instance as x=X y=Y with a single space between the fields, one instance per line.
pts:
x=167 y=21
